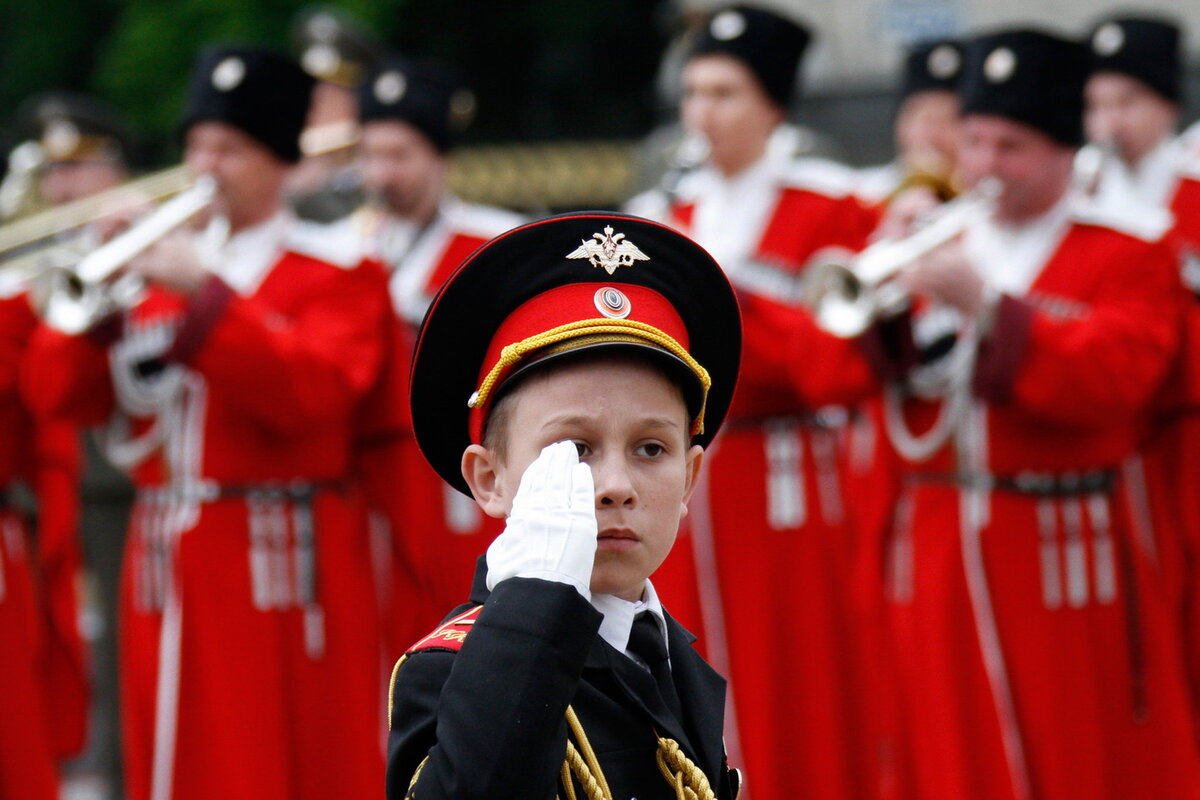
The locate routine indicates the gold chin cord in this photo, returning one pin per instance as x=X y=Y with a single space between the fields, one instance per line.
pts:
x=581 y=767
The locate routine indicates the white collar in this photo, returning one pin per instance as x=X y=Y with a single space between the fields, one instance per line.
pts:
x=619 y=615
x=1157 y=173
x=245 y=258
x=732 y=211
x=1010 y=257
x=1151 y=182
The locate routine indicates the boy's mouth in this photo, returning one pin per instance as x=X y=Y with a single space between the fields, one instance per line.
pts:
x=618 y=539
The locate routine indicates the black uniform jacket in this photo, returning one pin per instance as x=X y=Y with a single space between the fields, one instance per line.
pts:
x=490 y=717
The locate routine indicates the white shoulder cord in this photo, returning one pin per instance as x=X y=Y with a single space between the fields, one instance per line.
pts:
x=917 y=448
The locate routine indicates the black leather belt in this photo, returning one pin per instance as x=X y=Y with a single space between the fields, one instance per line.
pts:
x=1041 y=484
x=300 y=491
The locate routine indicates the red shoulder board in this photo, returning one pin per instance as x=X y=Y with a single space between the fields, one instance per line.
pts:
x=450 y=635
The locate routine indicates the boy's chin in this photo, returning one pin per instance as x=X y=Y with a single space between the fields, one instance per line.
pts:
x=625 y=587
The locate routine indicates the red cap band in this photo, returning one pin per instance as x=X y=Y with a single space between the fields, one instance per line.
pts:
x=621 y=309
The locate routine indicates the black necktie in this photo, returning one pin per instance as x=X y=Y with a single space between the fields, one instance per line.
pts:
x=647 y=643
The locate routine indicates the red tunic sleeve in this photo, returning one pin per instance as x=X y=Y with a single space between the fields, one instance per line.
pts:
x=67 y=377
x=315 y=356
x=786 y=350
x=1087 y=362
x=58 y=465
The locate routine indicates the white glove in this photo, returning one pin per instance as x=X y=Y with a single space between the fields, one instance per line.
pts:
x=551 y=531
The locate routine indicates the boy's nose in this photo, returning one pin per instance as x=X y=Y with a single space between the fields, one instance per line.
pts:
x=614 y=486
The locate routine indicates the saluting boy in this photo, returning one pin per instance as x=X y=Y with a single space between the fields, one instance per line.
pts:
x=568 y=376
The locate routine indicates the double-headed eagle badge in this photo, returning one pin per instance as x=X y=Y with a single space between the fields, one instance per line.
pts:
x=609 y=251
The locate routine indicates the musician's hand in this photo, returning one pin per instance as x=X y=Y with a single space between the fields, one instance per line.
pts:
x=118 y=213
x=173 y=262
x=946 y=276
x=904 y=210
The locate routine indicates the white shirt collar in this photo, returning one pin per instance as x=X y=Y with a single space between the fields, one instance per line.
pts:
x=1151 y=182
x=1158 y=172
x=1011 y=256
x=619 y=615
x=245 y=258
x=732 y=211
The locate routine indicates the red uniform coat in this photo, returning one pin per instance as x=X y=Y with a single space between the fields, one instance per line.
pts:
x=43 y=673
x=436 y=533
x=1172 y=455
x=249 y=642
x=1168 y=467
x=768 y=530
x=1038 y=656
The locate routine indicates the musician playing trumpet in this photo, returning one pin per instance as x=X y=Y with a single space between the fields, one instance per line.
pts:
x=75 y=147
x=228 y=393
x=772 y=522
x=1036 y=647
x=926 y=126
x=1133 y=104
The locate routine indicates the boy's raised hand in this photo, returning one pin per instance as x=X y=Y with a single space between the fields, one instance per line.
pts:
x=551 y=531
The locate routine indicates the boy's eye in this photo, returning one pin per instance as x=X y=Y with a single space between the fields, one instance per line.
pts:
x=582 y=450
x=651 y=450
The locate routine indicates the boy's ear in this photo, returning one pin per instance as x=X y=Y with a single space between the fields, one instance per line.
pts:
x=695 y=460
x=481 y=470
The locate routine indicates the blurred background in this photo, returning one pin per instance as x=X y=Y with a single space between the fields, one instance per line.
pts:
x=541 y=69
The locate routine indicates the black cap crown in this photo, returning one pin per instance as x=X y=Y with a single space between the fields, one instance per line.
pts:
x=71 y=127
x=559 y=287
x=257 y=91
x=1145 y=48
x=932 y=65
x=428 y=96
x=770 y=45
x=1028 y=76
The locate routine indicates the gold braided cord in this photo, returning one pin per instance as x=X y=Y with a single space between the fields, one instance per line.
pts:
x=416 y=774
x=688 y=780
x=626 y=329
x=392 y=688
x=574 y=765
x=564 y=776
x=681 y=772
x=586 y=767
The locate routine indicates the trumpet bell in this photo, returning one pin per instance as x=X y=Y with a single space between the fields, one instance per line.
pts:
x=65 y=302
x=840 y=301
x=844 y=304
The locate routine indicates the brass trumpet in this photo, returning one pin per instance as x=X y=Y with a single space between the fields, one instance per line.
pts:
x=74 y=299
x=1091 y=162
x=846 y=298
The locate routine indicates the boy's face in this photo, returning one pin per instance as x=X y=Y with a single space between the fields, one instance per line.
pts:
x=631 y=427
